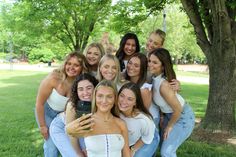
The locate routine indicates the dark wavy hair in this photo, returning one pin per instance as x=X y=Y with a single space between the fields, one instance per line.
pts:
x=74 y=96
x=164 y=56
x=120 y=54
x=139 y=101
x=143 y=69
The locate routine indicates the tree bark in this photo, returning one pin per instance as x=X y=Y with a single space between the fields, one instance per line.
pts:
x=220 y=50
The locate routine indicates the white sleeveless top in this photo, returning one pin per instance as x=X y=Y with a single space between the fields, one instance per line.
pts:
x=104 y=145
x=159 y=100
x=57 y=101
x=139 y=127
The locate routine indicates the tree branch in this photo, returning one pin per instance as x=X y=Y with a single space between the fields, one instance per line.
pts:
x=191 y=8
x=67 y=31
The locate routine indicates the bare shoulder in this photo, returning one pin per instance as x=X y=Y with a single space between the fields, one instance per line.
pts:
x=52 y=79
x=120 y=123
x=165 y=85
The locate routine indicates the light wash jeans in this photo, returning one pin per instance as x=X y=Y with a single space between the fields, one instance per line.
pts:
x=61 y=138
x=50 y=150
x=180 y=132
x=149 y=150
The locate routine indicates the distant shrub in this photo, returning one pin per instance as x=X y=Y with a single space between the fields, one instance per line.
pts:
x=40 y=55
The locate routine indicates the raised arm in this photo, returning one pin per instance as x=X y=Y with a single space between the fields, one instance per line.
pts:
x=70 y=118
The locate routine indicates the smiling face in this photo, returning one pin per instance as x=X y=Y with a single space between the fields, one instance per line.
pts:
x=155 y=65
x=85 y=90
x=126 y=101
x=108 y=70
x=154 y=41
x=93 y=56
x=73 y=67
x=105 y=99
x=130 y=47
x=133 y=67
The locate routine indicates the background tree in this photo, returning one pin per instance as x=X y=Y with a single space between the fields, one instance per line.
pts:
x=72 y=22
x=215 y=28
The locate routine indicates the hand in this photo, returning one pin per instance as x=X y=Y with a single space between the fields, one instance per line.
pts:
x=175 y=85
x=167 y=132
x=132 y=153
x=44 y=132
x=80 y=126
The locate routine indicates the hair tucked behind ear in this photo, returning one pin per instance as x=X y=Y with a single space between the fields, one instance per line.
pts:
x=164 y=56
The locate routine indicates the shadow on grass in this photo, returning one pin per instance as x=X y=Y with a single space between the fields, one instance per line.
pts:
x=18 y=129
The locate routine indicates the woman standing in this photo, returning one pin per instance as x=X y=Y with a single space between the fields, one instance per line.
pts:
x=93 y=53
x=53 y=94
x=129 y=45
x=177 y=119
x=143 y=135
x=109 y=69
x=136 y=72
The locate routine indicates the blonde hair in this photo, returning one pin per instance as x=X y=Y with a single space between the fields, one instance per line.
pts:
x=109 y=84
x=161 y=33
x=97 y=45
x=61 y=72
x=106 y=57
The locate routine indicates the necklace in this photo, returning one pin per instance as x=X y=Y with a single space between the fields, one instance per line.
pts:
x=103 y=119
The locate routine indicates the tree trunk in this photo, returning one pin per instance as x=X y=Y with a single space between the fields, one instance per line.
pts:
x=220 y=113
x=219 y=46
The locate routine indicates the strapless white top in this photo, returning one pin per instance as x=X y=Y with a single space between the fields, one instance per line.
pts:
x=104 y=145
x=57 y=101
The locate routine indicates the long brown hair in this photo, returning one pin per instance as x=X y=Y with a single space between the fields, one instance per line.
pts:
x=164 y=56
x=139 y=101
x=143 y=68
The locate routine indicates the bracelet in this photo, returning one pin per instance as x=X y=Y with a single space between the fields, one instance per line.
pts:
x=133 y=149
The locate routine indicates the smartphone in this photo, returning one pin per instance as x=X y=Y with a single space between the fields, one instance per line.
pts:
x=83 y=107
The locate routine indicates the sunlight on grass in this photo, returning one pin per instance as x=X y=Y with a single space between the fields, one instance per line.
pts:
x=20 y=136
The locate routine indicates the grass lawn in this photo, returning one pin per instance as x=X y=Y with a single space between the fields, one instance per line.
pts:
x=20 y=136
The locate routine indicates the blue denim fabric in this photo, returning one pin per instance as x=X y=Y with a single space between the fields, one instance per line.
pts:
x=60 y=138
x=50 y=150
x=149 y=150
x=180 y=132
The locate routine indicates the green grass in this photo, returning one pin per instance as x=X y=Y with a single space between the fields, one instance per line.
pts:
x=20 y=136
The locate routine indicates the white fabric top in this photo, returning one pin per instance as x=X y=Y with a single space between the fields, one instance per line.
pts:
x=104 y=145
x=57 y=101
x=139 y=127
x=146 y=86
x=125 y=63
x=159 y=100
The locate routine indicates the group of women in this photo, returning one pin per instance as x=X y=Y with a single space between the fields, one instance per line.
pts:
x=134 y=100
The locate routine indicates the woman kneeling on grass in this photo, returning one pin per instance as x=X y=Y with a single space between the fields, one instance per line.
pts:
x=109 y=134
x=177 y=121
x=80 y=100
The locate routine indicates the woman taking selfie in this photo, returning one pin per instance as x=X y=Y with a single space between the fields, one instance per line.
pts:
x=79 y=103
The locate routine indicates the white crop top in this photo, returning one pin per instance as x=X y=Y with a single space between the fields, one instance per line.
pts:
x=159 y=100
x=56 y=101
x=139 y=127
x=104 y=145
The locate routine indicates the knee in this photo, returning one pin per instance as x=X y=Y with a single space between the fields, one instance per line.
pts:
x=168 y=152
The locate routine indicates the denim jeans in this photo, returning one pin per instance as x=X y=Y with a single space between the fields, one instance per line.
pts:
x=50 y=150
x=149 y=150
x=60 y=138
x=181 y=130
